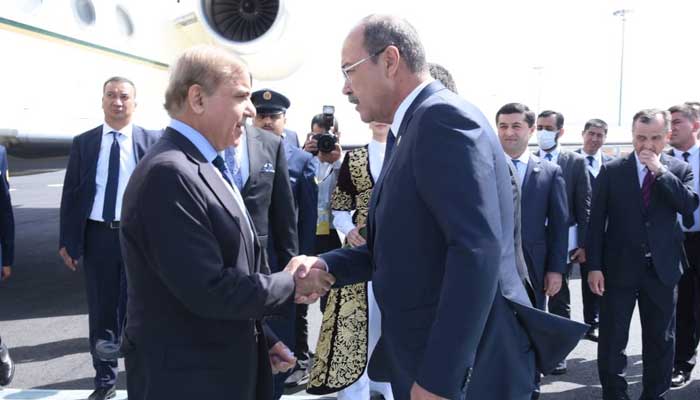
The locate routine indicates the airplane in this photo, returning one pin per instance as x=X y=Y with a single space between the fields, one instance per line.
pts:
x=57 y=53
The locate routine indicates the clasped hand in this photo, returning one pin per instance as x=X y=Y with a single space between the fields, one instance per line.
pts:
x=311 y=278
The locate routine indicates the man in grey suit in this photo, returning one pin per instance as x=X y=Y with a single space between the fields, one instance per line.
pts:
x=595 y=131
x=550 y=128
x=197 y=290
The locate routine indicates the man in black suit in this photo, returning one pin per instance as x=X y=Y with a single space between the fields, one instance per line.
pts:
x=7 y=255
x=594 y=133
x=197 y=287
x=100 y=164
x=684 y=147
x=635 y=252
x=550 y=128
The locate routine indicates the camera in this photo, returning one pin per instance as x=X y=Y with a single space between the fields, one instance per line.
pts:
x=326 y=141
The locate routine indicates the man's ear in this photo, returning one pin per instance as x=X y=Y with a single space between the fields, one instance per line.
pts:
x=391 y=60
x=195 y=98
x=560 y=134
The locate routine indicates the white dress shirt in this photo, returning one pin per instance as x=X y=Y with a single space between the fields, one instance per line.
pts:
x=521 y=165
x=342 y=220
x=694 y=161
x=597 y=162
x=127 y=163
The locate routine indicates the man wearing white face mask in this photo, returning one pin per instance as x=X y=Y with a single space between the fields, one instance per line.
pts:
x=550 y=127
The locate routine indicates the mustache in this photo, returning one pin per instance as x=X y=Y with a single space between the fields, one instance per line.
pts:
x=353 y=99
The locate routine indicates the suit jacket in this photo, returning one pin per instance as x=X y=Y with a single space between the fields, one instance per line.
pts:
x=196 y=292
x=268 y=197
x=618 y=247
x=291 y=138
x=520 y=262
x=544 y=218
x=606 y=159
x=3 y=161
x=302 y=177
x=441 y=256
x=578 y=191
x=7 y=219
x=79 y=185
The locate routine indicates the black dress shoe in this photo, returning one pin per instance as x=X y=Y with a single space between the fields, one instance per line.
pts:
x=103 y=393
x=592 y=334
x=560 y=370
x=679 y=378
x=7 y=367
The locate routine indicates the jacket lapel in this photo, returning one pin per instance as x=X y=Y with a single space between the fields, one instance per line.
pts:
x=533 y=167
x=254 y=158
x=222 y=194
x=93 y=142
x=633 y=179
x=139 y=143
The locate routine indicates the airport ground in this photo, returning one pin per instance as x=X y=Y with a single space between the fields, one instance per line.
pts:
x=43 y=317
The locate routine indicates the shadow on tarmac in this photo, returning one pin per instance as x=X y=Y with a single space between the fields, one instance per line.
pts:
x=49 y=351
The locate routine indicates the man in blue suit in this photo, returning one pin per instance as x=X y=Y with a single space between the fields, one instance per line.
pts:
x=635 y=252
x=7 y=246
x=543 y=201
x=100 y=164
x=439 y=251
x=595 y=131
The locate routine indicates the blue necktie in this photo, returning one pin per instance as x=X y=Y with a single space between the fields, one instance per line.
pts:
x=515 y=163
x=686 y=156
x=548 y=156
x=110 y=203
x=221 y=166
x=590 y=161
x=233 y=167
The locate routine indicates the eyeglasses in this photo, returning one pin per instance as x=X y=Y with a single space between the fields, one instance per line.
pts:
x=347 y=69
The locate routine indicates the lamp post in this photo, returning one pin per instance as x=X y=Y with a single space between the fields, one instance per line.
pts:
x=622 y=13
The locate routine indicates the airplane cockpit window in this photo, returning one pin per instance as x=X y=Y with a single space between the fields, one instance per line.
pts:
x=84 y=11
x=126 y=25
x=29 y=6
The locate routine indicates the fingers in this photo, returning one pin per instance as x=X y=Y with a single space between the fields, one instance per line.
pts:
x=6 y=273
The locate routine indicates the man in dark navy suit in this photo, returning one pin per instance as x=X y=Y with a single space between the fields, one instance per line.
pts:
x=7 y=255
x=594 y=133
x=635 y=252
x=100 y=164
x=684 y=130
x=439 y=252
x=543 y=202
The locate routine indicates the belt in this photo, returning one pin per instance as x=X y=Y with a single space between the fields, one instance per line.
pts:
x=109 y=225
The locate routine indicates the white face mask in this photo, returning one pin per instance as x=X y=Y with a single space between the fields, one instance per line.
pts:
x=546 y=139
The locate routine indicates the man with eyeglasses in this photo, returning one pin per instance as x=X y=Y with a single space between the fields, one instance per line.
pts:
x=440 y=246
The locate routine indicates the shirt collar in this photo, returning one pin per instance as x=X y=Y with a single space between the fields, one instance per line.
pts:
x=693 y=150
x=524 y=158
x=197 y=139
x=127 y=130
x=554 y=152
x=640 y=166
x=598 y=155
x=403 y=107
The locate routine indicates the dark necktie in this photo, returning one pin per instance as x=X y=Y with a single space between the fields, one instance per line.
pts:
x=221 y=166
x=686 y=155
x=688 y=220
x=548 y=156
x=390 y=142
x=110 y=203
x=646 y=188
x=590 y=161
x=515 y=163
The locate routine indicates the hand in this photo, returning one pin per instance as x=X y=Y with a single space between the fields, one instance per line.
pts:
x=331 y=157
x=596 y=282
x=6 y=272
x=552 y=283
x=70 y=262
x=651 y=160
x=354 y=237
x=418 y=393
x=311 y=145
x=579 y=256
x=310 y=278
x=281 y=358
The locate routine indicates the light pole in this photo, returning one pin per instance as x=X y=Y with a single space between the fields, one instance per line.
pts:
x=622 y=13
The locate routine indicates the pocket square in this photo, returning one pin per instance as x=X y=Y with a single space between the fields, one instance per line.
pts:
x=267 y=168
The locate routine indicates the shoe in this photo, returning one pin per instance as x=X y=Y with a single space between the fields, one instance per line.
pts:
x=103 y=393
x=592 y=334
x=559 y=370
x=7 y=366
x=679 y=378
x=298 y=377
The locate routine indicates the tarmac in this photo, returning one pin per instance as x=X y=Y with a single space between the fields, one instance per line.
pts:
x=43 y=317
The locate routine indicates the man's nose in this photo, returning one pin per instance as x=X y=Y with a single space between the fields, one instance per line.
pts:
x=347 y=90
x=249 y=109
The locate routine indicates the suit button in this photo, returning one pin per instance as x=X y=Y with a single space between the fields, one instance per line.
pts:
x=647 y=224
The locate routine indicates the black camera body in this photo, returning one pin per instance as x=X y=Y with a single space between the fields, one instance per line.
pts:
x=326 y=141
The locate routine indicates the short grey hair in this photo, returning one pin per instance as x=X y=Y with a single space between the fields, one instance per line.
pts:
x=381 y=31
x=648 y=115
x=204 y=65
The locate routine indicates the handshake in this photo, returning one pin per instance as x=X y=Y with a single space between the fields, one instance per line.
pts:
x=311 y=278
